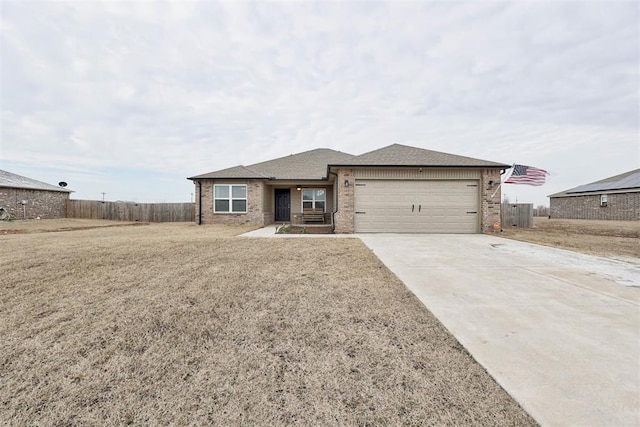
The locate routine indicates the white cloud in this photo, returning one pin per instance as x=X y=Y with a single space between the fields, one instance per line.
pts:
x=109 y=91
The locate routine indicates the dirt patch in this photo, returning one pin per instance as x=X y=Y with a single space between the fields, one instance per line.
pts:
x=180 y=324
x=601 y=238
x=29 y=226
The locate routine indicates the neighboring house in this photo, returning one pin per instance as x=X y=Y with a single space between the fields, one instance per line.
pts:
x=394 y=189
x=614 y=198
x=26 y=198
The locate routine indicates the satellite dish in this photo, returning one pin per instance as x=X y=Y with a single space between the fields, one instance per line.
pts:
x=62 y=184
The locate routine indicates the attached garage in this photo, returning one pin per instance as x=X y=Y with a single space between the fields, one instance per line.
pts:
x=402 y=189
x=417 y=206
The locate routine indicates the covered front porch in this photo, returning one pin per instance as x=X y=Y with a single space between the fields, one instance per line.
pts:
x=307 y=204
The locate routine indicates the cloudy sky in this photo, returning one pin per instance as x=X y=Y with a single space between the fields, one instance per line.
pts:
x=130 y=98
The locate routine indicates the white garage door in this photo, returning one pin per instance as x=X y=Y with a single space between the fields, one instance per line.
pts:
x=417 y=206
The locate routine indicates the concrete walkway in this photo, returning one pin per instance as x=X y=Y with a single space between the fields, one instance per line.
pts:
x=560 y=331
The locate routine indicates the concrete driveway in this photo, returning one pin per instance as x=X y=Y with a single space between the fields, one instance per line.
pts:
x=560 y=331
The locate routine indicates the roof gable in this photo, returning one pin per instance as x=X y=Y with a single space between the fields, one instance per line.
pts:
x=403 y=155
x=307 y=165
x=624 y=181
x=312 y=165
x=12 y=180
x=236 y=172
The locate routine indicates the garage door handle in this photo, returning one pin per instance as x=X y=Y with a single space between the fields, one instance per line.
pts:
x=474 y=212
x=413 y=207
x=419 y=208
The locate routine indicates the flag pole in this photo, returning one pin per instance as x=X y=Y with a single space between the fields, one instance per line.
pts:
x=494 y=193
x=501 y=201
x=500 y=185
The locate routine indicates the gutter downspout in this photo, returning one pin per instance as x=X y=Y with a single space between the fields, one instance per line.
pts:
x=199 y=202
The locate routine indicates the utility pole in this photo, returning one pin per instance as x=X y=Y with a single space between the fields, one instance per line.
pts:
x=103 y=193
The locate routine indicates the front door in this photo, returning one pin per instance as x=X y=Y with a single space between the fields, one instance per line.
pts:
x=283 y=204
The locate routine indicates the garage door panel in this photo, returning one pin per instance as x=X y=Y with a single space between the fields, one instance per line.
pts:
x=438 y=206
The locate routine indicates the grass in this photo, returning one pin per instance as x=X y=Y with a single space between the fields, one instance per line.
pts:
x=62 y=224
x=180 y=324
x=617 y=239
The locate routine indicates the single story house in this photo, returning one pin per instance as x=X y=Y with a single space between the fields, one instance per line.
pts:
x=393 y=189
x=26 y=198
x=613 y=198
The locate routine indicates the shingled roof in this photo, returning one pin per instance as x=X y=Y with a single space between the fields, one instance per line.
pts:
x=12 y=180
x=403 y=155
x=307 y=165
x=236 y=172
x=625 y=181
x=312 y=165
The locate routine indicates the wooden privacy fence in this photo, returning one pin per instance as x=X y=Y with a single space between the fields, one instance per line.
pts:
x=517 y=215
x=129 y=211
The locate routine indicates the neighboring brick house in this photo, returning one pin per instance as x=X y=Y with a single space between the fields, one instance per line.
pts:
x=613 y=198
x=394 y=189
x=26 y=198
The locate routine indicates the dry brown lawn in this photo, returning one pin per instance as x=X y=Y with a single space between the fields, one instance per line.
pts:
x=614 y=239
x=62 y=224
x=185 y=325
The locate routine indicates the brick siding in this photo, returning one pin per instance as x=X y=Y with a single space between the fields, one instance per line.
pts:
x=255 y=202
x=344 y=217
x=620 y=206
x=490 y=200
x=40 y=203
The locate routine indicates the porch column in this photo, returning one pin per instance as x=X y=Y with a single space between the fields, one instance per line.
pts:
x=344 y=217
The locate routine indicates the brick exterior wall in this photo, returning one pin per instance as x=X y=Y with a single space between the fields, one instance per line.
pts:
x=255 y=203
x=490 y=200
x=620 y=206
x=344 y=217
x=40 y=203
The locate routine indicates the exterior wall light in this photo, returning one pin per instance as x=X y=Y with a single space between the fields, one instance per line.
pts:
x=298 y=187
x=346 y=182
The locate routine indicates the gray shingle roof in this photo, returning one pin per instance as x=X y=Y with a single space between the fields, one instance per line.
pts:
x=625 y=181
x=403 y=155
x=236 y=172
x=307 y=165
x=313 y=164
x=12 y=180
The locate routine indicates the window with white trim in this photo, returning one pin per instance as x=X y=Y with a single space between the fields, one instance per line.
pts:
x=604 y=200
x=230 y=198
x=314 y=198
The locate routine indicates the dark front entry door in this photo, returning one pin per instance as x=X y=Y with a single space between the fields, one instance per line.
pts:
x=283 y=204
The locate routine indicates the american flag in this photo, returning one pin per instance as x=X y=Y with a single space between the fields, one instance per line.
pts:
x=527 y=175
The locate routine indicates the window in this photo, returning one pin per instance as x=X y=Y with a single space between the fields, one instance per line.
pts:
x=314 y=198
x=604 y=200
x=230 y=198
